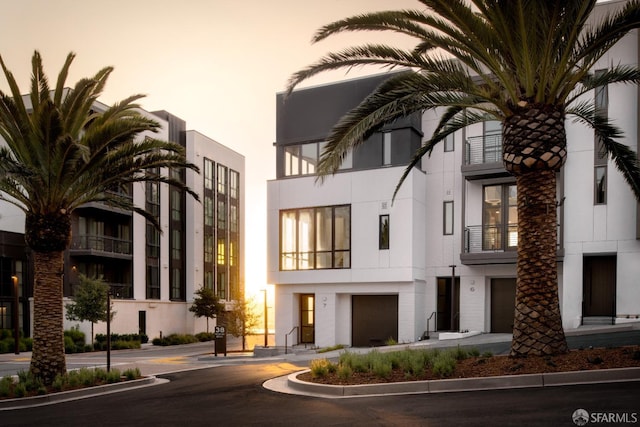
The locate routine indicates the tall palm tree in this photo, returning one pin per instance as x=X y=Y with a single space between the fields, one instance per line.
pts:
x=524 y=63
x=59 y=152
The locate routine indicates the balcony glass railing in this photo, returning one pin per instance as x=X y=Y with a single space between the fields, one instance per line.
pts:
x=490 y=238
x=483 y=149
x=102 y=243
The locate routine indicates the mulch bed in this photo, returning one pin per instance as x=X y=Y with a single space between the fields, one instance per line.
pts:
x=473 y=367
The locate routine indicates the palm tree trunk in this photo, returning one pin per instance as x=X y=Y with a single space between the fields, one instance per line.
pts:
x=537 y=328
x=48 y=358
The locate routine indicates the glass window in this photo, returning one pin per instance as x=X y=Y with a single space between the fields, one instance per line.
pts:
x=383 y=232
x=222 y=215
x=386 y=148
x=234 y=184
x=222 y=179
x=308 y=158
x=600 y=187
x=449 y=143
x=492 y=144
x=500 y=217
x=291 y=160
x=447 y=211
x=208 y=174
x=315 y=238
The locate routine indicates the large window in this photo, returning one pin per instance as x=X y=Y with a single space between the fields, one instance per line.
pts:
x=315 y=238
x=302 y=159
x=500 y=217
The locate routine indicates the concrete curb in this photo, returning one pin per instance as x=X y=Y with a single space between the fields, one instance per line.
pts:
x=464 y=384
x=51 y=398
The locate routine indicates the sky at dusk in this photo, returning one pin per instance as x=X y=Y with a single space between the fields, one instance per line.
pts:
x=217 y=64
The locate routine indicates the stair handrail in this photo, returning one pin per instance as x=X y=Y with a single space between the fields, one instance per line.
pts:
x=286 y=336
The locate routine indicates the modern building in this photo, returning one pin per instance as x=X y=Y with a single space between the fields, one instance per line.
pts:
x=153 y=275
x=351 y=267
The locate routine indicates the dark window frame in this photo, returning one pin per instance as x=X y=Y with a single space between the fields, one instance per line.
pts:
x=340 y=257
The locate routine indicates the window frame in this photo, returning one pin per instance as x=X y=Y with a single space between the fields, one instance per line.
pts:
x=383 y=232
x=293 y=260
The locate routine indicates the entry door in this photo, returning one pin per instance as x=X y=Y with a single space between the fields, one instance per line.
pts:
x=503 y=300
x=447 y=304
x=307 y=319
x=599 y=290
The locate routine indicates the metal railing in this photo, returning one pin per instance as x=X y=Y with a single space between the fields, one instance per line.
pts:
x=286 y=339
x=103 y=244
x=483 y=149
x=490 y=238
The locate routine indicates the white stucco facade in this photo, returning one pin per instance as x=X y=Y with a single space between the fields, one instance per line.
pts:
x=598 y=249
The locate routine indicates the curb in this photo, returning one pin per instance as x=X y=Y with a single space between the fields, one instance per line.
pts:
x=464 y=384
x=51 y=398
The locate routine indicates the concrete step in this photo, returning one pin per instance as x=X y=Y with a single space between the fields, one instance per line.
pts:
x=597 y=320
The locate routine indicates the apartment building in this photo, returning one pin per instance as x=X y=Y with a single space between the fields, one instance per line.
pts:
x=152 y=275
x=351 y=267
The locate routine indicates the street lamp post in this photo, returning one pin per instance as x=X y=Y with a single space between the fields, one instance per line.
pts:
x=266 y=324
x=16 y=317
x=109 y=330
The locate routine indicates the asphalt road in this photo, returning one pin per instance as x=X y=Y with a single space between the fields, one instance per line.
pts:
x=234 y=396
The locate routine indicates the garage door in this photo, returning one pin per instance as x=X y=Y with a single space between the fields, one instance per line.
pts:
x=503 y=302
x=374 y=319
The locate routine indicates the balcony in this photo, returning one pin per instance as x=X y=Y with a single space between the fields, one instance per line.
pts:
x=111 y=247
x=490 y=244
x=483 y=157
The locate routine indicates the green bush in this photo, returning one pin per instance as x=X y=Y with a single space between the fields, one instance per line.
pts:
x=175 y=339
x=205 y=336
x=120 y=341
x=320 y=368
x=132 y=374
x=444 y=364
x=6 y=386
x=74 y=341
x=344 y=372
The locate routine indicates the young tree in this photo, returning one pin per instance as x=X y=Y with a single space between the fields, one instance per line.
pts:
x=59 y=153
x=242 y=318
x=524 y=63
x=89 y=302
x=206 y=304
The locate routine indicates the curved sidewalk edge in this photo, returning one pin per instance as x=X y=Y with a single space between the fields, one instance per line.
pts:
x=64 y=396
x=292 y=385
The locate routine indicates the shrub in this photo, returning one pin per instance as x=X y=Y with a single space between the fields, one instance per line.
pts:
x=320 y=368
x=444 y=364
x=6 y=386
x=73 y=341
x=381 y=367
x=120 y=341
x=344 y=372
x=390 y=341
x=474 y=352
x=205 y=336
x=460 y=353
x=175 y=339
x=132 y=374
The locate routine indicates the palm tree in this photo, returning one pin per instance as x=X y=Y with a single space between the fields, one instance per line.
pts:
x=524 y=63
x=60 y=153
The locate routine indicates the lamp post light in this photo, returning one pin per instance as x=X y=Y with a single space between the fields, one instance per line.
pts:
x=266 y=324
x=16 y=317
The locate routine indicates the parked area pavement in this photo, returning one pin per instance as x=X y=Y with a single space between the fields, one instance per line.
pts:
x=154 y=362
